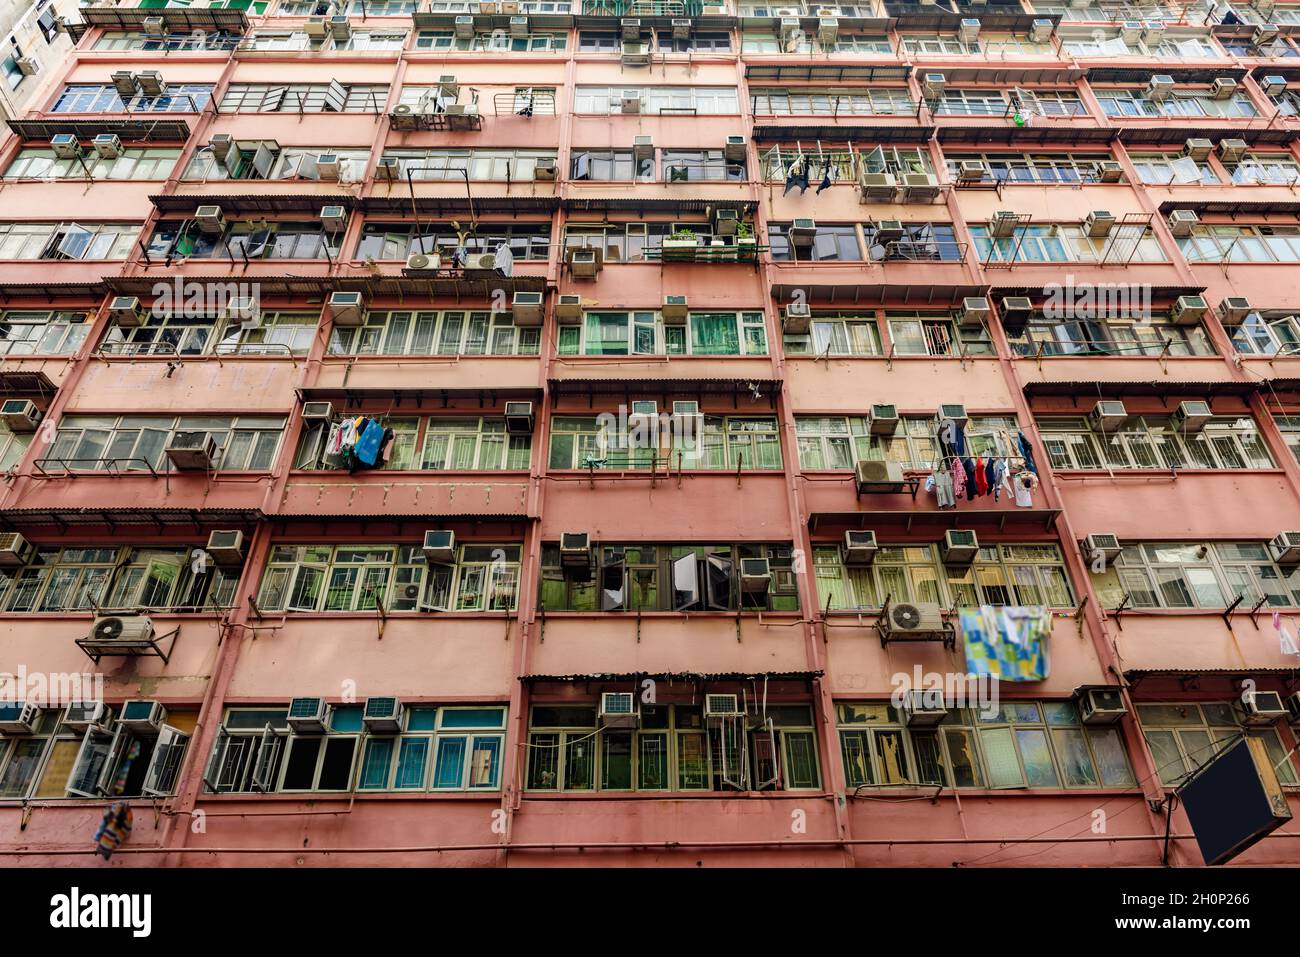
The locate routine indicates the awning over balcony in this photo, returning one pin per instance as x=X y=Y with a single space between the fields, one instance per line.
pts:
x=1177 y=133
x=175 y=19
x=14 y=383
x=50 y=291
x=157 y=519
x=585 y=204
x=399 y=203
x=149 y=128
x=1290 y=675
x=928 y=19
x=904 y=132
x=241 y=204
x=1181 y=74
x=431 y=397
x=1158 y=293
x=909 y=520
x=1290 y=73
x=686 y=677
x=738 y=389
x=1011 y=74
x=488 y=23
x=1095 y=388
x=851 y=293
x=821 y=71
x=1224 y=207
x=1011 y=135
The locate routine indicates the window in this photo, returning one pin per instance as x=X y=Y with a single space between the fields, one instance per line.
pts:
x=702 y=42
x=686 y=578
x=1289 y=426
x=127 y=579
x=673 y=748
x=280 y=334
x=920 y=242
x=610 y=166
x=728 y=443
x=1020 y=744
x=930 y=334
x=13 y=446
x=515 y=165
x=1214 y=243
x=1181 y=103
x=42 y=333
x=973 y=103
x=433 y=443
x=1128 y=333
x=435 y=333
x=832 y=243
x=662 y=99
x=129 y=40
x=1154 y=442
x=244 y=240
x=137 y=442
x=104 y=98
x=836 y=334
x=462 y=747
x=937 y=45
x=496 y=42
x=838 y=101
x=1041 y=168
x=290 y=162
x=398 y=240
x=778 y=161
x=636 y=241
x=689 y=166
x=132 y=164
x=1196 y=575
x=347 y=578
x=644 y=333
x=1268 y=333
x=1184 y=736
x=1166 y=169
x=333 y=97
x=98 y=241
x=1068 y=243
x=1266 y=169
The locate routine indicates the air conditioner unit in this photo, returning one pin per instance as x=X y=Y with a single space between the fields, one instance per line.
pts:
x=151 y=83
x=1232 y=150
x=1040 y=31
x=1191 y=416
x=722 y=706
x=20 y=415
x=15 y=551
x=883 y=419
x=733 y=151
x=545 y=171
x=725 y=222
x=1264 y=33
x=27 y=65
x=674 y=310
x=919 y=187
x=82 y=715
x=803 y=231
x=318 y=412
x=124 y=82
x=1109 y=171
x=568 y=308
x=210 y=219
x=828 y=31
x=960 y=546
x=1273 y=85
x=635 y=53
x=968 y=31
x=526 y=308
x=859 y=546
x=1233 y=310
x=123 y=628
x=1130 y=31
x=423 y=262
x=334 y=219
x=684 y=410
x=65 y=146
x=142 y=716
x=346 y=308
x=1108 y=415
x=1098 y=223
x=584 y=263
x=1188 y=310
x=755 y=576
x=889 y=230
x=1261 y=708
x=383 y=715
x=922 y=708
x=876 y=187
x=933 y=85
x=464 y=27
x=226 y=547
x=1015 y=313
x=681 y=29
x=1285 y=548
x=1101 y=705
x=971 y=171
x=879 y=477
x=954 y=413
x=643 y=414
x=388 y=168
x=1003 y=224
x=18 y=717
x=1198 y=148
x=316 y=27
x=630 y=102
x=575 y=549
x=243 y=310
x=618 y=710
x=439 y=545
x=519 y=418
x=788 y=27
x=630 y=27
x=307 y=715
x=327 y=166
x=448 y=86
x=974 y=310
x=107 y=145
x=796 y=318
x=1159 y=87
x=1102 y=544
x=1223 y=88
x=519 y=26
x=509 y=8
x=192 y=451
x=1183 y=221
x=1153 y=31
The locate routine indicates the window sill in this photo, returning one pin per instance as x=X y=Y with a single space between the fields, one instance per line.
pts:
x=801 y=795
x=316 y=797
x=966 y=793
x=389 y=357
x=1102 y=473
x=413 y=473
x=89 y=615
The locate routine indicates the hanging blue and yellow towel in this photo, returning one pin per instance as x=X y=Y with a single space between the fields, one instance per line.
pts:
x=1008 y=643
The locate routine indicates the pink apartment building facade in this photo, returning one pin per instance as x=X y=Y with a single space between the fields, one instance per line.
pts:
x=796 y=239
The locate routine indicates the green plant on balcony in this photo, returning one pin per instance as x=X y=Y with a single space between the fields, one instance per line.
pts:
x=680 y=245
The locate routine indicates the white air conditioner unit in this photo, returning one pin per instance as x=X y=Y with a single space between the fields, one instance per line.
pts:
x=971 y=171
x=722 y=706
x=933 y=85
x=1273 y=85
x=20 y=415
x=1191 y=416
x=733 y=151
x=1223 y=88
x=107 y=145
x=243 y=310
x=974 y=310
x=1098 y=223
x=788 y=27
x=122 y=628
x=828 y=31
x=643 y=147
x=333 y=219
x=1130 y=31
x=584 y=263
x=568 y=308
x=448 y=86
x=192 y=451
x=225 y=546
x=1232 y=150
x=953 y=412
x=1285 y=548
x=519 y=26
x=15 y=551
x=28 y=65
x=922 y=708
x=644 y=414
x=327 y=166
x=1258 y=709
x=725 y=222
x=635 y=53
x=960 y=546
x=318 y=411
x=383 y=715
x=1188 y=310
x=575 y=549
x=307 y=715
x=1233 y=310
x=388 y=168
x=151 y=83
x=630 y=27
x=316 y=27
x=889 y=230
x=1198 y=148
x=681 y=29
x=464 y=27
x=124 y=82
x=423 y=262
x=796 y=318
x=968 y=31
x=1104 y=545
x=1103 y=705
x=18 y=717
x=1264 y=34
x=1108 y=415
x=1015 y=313
x=210 y=219
x=346 y=308
x=1160 y=87
x=802 y=231
x=883 y=419
x=755 y=576
x=1183 y=221
x=919 y=187
x=1109 y=171
x=519 y=418
x=1153 y=31
x=142 y=716
x=876 y=187
x=674 y=310
x=526 y=309
x=618 y=710
x=1041 y=30
x=545 y=171
x=439 y=545
x=1003 y=224
x=82 y=715
x=875 y=476
x=65 y=146
x=859 y=546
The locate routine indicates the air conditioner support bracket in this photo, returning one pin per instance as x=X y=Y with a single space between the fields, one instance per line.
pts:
x=1227 y=622
x=1119 y=610
x=97 y=648
x=1254 y=612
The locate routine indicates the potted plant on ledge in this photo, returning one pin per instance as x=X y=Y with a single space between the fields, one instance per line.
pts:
x=680 y=245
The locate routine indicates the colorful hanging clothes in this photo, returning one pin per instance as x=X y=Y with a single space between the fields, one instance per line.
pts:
x=367 y=447
x=1008 y=643
x=114 y=829
x=958 y=479
x=981 y=478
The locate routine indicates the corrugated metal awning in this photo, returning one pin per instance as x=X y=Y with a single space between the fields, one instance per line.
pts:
x=427 y=397
x=1176 y=133
x=1232 y=208
x=112 y=518
x=826 y=72
x=156 y=128
x=175 y=19
x=1181 y=74
x=902 y=133
x=243 y=203
x=19 y=383
x=419 y=289
x=683 y=676
x=684 y=205
x=1010 y=134
x=851 y=293
x=909 y=519
x=707 y=386
x=1118 y=387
